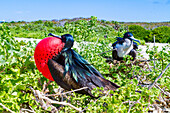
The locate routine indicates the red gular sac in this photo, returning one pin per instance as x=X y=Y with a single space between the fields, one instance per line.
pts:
x=47 y=49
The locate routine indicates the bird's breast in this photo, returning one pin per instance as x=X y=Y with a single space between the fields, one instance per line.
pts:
x=123 y=49
x=46 y=49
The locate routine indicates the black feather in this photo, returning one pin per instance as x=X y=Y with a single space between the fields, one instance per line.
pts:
x=77 y=69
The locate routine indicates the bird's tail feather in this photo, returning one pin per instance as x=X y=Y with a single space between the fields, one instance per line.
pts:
x=108 y=85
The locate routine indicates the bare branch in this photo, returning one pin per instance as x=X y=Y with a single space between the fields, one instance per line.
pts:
x=159 y=76
x=32 y=109
x=22 y=109
x=167 y=77
x=166 y=93
x=149 y=67
x=56 y=102
x=135 y=102
x=40 y=96
x=127 y=102
x=46 y=85
x=34 y=93
x=148 y=60
x=105 y=52
x=67 y=92
x=154 y=49
x=83 y=110
x=6 y=108
x=41 y=101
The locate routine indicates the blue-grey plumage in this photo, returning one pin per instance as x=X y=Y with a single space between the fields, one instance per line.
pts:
x=124 y=46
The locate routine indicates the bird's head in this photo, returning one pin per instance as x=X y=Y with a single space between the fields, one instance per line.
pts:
x=67 y=37
x=130 y=36
x=48 y=48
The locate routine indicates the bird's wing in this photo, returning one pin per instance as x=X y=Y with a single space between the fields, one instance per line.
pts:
x=119 y=41
x=80 y=60
x=135 y=45
x=57 y=71
x=114 y=44
x=79 y=72
x=119 y=38
x=68 y=82
x=89 y=74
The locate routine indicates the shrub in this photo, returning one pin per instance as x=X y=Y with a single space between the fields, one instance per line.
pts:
x=139 y=32
x=162 y=34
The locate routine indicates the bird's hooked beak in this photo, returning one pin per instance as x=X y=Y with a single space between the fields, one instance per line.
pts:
x=50 y=34
x=132 y=37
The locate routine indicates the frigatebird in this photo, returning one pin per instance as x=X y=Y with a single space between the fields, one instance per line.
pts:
x=125 y=46
x=66 y=67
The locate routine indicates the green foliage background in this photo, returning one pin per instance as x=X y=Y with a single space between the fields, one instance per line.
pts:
x=162 y=34
x=91 y=29
x=18 y=71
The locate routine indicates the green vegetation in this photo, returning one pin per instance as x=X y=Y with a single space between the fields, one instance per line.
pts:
x=162 y=34
x=18 y=71
x=91 y=29
x=140 y=32
x=81 y=29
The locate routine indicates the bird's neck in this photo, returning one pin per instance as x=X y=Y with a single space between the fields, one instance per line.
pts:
x=128 y=43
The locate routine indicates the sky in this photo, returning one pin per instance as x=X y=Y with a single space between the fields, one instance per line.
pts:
x=116 y=10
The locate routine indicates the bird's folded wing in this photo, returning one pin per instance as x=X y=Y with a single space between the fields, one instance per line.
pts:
x=57 y=71
x=135 y=45
x=83 y=63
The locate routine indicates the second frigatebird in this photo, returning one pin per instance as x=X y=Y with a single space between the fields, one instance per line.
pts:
x=125 y=46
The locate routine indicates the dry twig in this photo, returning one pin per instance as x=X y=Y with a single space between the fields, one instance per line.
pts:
x=6 y=108
x=83 y=110
x=56 y=102
x=104 y=52
x=42 y=103
x=30 y=111
x=149 y=67
x=148 y=60
x=133 y=104
x=46 y=85
x=41 y=98
x=167 y=77
x=154 y=49
x=67 y=92
x=166 y=93
x=159 y=76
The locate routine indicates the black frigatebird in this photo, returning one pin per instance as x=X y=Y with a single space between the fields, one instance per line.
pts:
x=66 y=67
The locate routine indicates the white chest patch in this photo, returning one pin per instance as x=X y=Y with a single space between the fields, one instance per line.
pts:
x=125 y=48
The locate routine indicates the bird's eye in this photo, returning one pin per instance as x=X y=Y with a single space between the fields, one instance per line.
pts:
x=63 y=39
